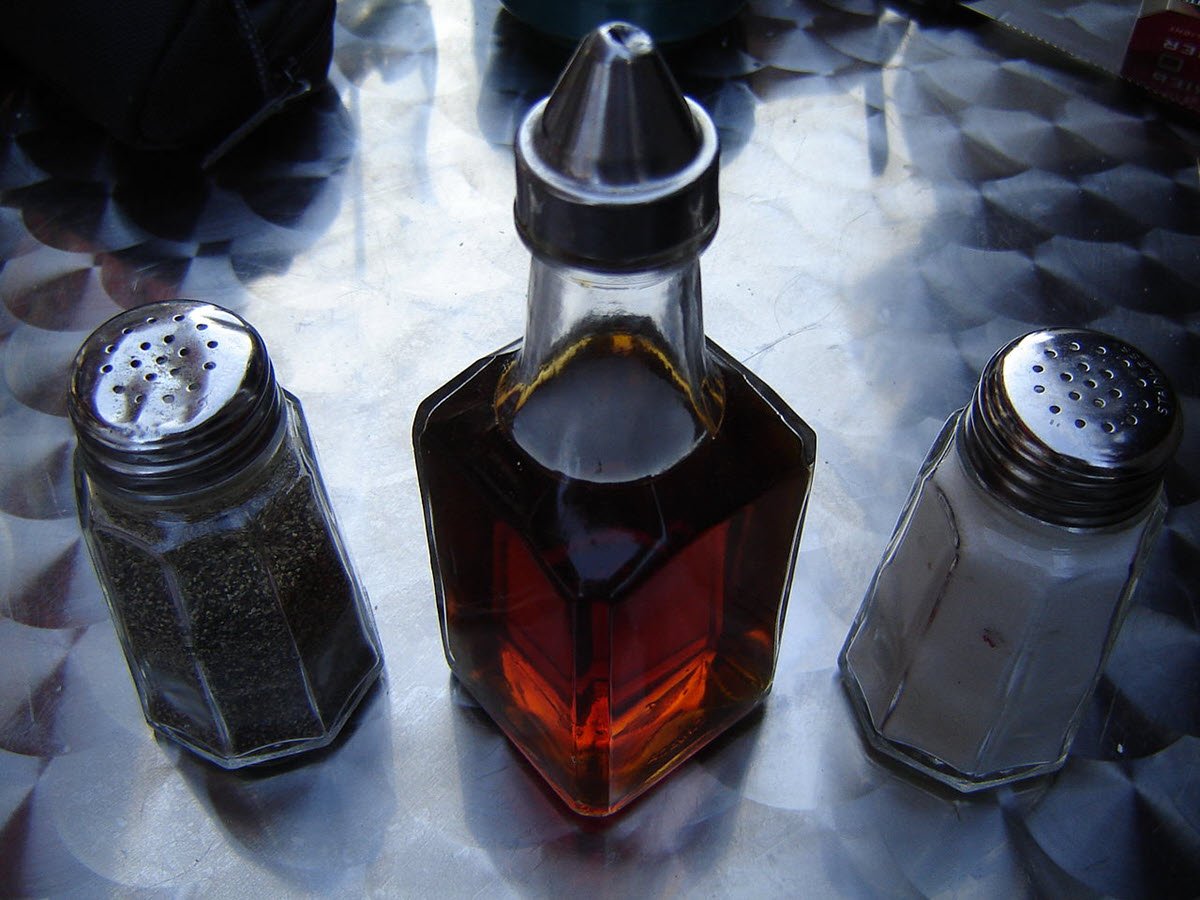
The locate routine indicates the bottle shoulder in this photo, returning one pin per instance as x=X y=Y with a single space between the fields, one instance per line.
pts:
x=756 y=424
x=465 y=392
x=761 y=402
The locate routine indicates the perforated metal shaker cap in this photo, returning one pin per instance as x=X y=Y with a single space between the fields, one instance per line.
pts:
x=172 y=396
x=1072 y=426
x=616 y=169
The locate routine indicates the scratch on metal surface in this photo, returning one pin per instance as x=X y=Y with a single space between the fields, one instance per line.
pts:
x=810 y=326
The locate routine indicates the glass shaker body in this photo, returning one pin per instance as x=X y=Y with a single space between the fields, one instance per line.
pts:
x=988 y=622
x=613 y=504
x=246 y=631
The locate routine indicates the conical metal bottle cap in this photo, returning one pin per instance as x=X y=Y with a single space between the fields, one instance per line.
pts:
x=616 y=169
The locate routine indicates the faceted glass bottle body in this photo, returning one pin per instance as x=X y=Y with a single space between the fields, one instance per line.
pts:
x=245 y=629
x=985 y=630
x=613 y=518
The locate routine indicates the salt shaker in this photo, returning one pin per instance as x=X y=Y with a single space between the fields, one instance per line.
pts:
x=614 y=505
x=245 y=629
x=988 y=622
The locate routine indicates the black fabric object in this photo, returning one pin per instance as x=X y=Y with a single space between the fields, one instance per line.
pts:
x=173 y=74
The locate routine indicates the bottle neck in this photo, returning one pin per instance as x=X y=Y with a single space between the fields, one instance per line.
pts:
x=612 y=381
x=660 y=310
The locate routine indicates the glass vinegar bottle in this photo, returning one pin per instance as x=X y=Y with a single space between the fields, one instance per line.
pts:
x=613 y=504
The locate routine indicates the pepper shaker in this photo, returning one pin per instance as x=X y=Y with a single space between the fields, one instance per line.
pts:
x=987 y=624
x=245 y=629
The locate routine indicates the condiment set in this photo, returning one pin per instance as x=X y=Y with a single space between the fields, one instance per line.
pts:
x=614 y=504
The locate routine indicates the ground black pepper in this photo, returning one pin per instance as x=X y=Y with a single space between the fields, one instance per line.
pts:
x=168 y=678
x=311 y=584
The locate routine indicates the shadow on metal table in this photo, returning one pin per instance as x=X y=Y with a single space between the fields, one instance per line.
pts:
x=901 y=195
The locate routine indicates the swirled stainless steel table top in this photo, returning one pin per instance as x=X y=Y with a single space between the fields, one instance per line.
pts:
x=900 y=197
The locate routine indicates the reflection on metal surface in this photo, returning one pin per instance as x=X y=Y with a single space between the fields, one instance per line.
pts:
x=651 y=845
x=900 y=198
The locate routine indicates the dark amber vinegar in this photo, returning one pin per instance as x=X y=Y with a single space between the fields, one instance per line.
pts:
x=612 y=628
